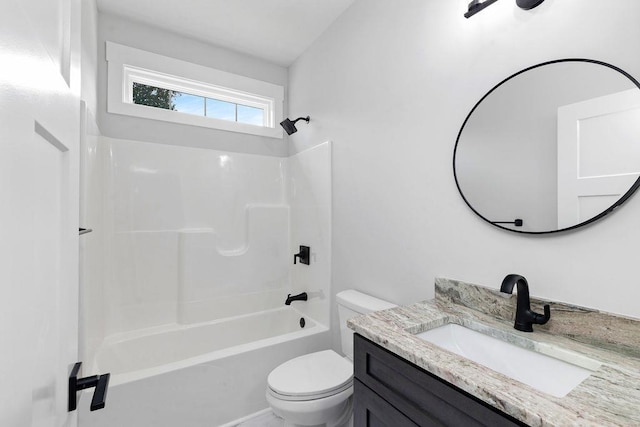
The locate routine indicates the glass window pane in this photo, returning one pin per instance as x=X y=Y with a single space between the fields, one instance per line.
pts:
x=158 y=97
x=221 y=109
x=153 y=96
x=250 y=115
x=191 y=104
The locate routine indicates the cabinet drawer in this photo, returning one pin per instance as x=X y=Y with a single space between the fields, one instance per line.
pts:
x=421 y=396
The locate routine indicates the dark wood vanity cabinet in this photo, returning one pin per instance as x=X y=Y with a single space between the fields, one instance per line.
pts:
x=389 y=391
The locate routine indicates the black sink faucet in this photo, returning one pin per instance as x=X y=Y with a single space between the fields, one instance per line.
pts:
x=524 y=316
x=299 y=297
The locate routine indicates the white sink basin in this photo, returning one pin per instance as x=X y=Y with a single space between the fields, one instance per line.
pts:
x=547 y=374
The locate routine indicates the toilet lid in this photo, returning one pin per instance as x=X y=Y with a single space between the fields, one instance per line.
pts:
x=312 y=375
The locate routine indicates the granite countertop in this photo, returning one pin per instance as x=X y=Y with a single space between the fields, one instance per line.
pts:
x=609 y=397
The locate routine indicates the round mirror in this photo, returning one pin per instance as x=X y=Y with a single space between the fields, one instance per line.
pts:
x=552 y=147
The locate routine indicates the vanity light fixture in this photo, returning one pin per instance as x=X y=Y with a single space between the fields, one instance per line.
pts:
x=476 y=5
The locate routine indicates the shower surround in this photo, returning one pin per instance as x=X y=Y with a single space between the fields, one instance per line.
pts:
x=190 y=248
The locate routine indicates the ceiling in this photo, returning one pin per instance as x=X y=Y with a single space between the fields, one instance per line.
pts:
x=275 y=30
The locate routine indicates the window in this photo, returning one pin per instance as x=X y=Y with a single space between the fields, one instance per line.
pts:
x=147 y=85
x=207 y=103
x=198 y=105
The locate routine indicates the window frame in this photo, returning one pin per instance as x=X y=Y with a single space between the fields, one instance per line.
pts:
x=127 y=65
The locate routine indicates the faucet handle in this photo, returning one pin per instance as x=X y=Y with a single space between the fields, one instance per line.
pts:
x=303 y=256
x=541 y=319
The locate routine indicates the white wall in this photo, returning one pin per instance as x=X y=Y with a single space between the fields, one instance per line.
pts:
x=126 y=32
x=390 y=86
x=89 y=59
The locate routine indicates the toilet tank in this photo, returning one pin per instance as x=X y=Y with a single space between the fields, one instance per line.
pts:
x=353 y=303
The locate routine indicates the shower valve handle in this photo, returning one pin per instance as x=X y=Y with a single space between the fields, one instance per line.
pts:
x=304 y=255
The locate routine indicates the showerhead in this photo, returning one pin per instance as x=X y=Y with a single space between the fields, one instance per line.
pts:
x=290 y=126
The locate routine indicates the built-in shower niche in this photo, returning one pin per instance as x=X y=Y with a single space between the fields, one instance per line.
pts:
x=216 y=282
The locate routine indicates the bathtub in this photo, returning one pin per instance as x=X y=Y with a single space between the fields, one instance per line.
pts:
x=206 y=374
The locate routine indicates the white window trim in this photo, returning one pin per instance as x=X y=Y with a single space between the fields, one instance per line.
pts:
x=126 y=64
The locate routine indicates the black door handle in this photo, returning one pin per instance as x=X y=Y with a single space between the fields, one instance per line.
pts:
x=101 y=383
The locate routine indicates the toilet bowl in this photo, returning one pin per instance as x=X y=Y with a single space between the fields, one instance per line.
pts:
x=316 y=389
x=312 y=390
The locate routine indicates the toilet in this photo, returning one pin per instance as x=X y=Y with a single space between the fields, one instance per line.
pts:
x=315 y=389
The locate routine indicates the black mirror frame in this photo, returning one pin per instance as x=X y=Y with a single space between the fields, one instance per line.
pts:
x=610 y=209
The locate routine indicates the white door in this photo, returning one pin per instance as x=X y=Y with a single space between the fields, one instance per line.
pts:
x=598 y=154
x=39 y=134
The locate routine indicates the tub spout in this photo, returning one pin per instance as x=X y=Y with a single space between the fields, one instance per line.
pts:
x=299 y=297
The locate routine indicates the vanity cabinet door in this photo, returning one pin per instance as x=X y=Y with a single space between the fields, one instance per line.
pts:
x=370 y=410
x=422 y=397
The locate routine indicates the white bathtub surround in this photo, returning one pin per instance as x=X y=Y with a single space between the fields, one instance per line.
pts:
x=268 y=420
x=195 y=253
x=264 y=418
x=214 y=282
x=203 y=391
x=309 y=193
x=156 y=201
x=192 y=235
x=139 y=354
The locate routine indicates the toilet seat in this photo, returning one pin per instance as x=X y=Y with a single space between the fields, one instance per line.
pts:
x=311 y=376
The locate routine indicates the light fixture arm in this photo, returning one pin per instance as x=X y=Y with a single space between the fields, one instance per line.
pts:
x=528 y=4
x=306 y=119
x=476 y=5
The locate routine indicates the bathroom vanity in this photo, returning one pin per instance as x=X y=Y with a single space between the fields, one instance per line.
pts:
x=389 y=391
x=401 y=379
